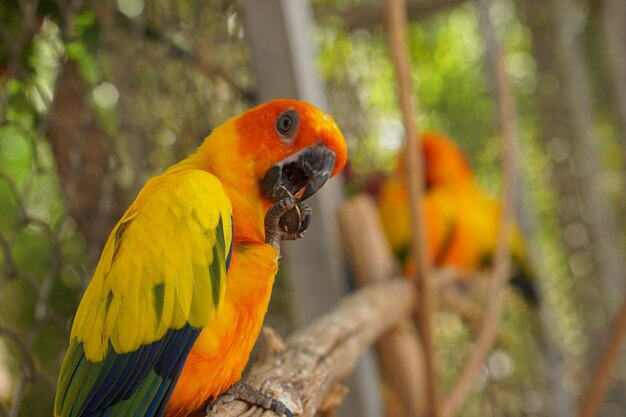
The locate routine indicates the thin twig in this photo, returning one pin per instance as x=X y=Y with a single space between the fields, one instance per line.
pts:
x=598 y=383
x=396 y=28
x=463 y=306
x=501 y=269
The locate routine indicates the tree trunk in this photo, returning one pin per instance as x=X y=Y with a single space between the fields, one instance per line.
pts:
x=566 y=113
x=604 y=228
x=566 y=109
x=82 y=158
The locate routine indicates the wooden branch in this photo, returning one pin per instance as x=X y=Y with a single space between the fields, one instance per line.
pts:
x=400 y=352
x=598 y=383
x=372 y=261
x=369 y=16
x=396 y=19
x=501 y=269
x=304 y=372
x=463 y=306
x=364 y=241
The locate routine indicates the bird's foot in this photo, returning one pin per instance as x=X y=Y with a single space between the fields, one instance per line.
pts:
x=244 y=392
x=288 y=219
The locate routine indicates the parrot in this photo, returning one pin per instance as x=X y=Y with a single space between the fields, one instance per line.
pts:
x=177 y=300
x=461 y=219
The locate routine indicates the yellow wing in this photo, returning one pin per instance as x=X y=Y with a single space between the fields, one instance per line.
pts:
x=160 y=279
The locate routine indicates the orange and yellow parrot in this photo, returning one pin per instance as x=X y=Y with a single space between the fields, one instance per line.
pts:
x=461 y=219
x=178 y=297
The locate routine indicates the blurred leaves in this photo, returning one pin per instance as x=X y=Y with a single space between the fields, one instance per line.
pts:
x=79 y=101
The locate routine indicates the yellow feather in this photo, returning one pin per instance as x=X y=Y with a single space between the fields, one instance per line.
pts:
x=202 y=305
x=184 y=287
x=127 y=323
x=164 y=249
x=96 y=344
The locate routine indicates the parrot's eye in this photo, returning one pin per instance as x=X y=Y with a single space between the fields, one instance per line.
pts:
x=287 y=124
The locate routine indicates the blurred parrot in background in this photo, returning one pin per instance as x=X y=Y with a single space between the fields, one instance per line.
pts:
x=461 y=219
x=179 y=295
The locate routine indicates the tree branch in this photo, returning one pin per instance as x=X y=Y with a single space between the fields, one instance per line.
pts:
x=304 y=373
x=400 y=351
x=599 y=381
x=80 y=152
x=396 y=29
x=501 y=269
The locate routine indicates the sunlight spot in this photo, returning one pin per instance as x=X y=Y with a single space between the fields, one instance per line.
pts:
x=130 y=8
x=166 y=137
x=106 y=95
x=391 y=134
x=125 y=176
x=6 y=382
x=500 y=365
x=575 y=234
x=576 y=343
x=559 y=149
x=38 y=212
x=580 y=263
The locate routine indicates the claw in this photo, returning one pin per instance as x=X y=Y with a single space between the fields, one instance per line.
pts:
x=244 y=392
x=288 y=219
x=297 y=219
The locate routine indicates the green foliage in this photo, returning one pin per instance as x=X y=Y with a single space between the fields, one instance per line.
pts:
x=155 y=90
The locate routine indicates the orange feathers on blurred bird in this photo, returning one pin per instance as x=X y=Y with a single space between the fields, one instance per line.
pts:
x=178 y=298
x=461 y=219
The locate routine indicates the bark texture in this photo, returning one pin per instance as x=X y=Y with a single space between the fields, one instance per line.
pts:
x=303 y=372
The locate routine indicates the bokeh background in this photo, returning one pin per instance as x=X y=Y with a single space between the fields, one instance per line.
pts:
x=96 y=97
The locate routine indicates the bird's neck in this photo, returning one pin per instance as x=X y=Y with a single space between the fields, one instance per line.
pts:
x=218 y=156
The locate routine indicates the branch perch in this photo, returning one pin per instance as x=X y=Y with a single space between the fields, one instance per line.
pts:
x=598 y=382
x=501 y=268
x=396 y=19
x=304 y=373
x=400 y=351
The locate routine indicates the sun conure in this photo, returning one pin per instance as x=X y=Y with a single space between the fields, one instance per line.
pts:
x=461 y=219
x=178 y=297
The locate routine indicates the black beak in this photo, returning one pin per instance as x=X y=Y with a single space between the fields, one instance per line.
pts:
x=308 y=169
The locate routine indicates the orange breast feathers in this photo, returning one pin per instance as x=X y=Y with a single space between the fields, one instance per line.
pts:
x=223 y=348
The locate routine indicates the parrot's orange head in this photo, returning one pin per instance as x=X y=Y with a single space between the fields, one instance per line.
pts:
x=444 y=163
x=295 y=147
x=278 y=149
